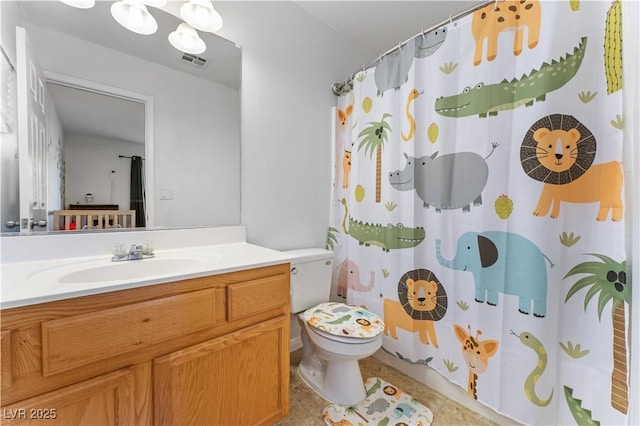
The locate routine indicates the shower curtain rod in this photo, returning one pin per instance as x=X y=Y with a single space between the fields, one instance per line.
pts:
x=337 y=88
x=124 y=156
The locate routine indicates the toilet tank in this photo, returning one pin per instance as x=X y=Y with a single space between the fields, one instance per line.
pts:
x=310 y=277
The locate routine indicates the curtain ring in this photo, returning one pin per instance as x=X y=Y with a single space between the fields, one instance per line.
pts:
x=423 y=34
x=400 y=47
x=450 y=20
x=495 y=5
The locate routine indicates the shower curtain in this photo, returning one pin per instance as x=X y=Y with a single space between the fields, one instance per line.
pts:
x=137 y=190
x=478 y=207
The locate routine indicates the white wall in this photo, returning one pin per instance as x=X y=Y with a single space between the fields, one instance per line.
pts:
x=197 y=153
x=289 y=62
x=89 y=161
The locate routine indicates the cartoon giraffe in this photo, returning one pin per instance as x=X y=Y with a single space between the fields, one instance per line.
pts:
x=476 y=355
x=489 y=21
x=412 y=123
x=343 y=118
x=346 y=168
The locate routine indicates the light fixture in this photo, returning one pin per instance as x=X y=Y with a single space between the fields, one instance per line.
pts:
x=186 y=39
x=201 y=15
x=134 y=16
x=155 y=3
x=80 y=4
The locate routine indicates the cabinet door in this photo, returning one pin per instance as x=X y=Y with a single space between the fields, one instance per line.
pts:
x=237 y=379
x=103 y=400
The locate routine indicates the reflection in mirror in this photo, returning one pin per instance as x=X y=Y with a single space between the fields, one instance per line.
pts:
x=194 y=176
x=99 y=169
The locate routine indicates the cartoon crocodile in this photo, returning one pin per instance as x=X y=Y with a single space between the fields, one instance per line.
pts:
x=492 y=98
x=387 y=237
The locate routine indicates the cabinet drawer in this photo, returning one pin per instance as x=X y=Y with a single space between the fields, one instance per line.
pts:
x=251 y=297
x=82 y=339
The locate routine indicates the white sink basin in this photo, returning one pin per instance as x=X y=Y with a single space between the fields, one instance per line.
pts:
x=132 y=269
x=105 y=271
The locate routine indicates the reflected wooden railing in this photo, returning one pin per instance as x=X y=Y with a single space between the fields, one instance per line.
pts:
x=93 y=219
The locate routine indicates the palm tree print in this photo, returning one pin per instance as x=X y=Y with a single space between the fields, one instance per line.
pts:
x=608 y=279
x=373 y=138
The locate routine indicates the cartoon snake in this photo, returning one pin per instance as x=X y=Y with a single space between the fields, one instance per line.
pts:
x=531 y=341
x=412 y=123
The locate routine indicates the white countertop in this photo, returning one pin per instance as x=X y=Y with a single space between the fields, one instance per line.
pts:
x=28 y=283
x=45 y=277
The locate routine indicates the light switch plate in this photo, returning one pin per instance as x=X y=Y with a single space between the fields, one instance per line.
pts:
x=166 y=193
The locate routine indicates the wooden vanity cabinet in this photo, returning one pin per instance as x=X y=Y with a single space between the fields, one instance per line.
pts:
x=231 y=380
x=204 y=351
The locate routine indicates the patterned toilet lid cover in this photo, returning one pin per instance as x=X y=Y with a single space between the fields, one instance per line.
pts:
x=344 y=320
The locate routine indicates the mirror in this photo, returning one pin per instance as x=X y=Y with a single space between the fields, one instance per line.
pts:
x=194 y=177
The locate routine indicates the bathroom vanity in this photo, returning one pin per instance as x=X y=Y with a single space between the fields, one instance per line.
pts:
x=207 y=348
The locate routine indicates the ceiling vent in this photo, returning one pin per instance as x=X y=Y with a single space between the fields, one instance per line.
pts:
x=194 y=60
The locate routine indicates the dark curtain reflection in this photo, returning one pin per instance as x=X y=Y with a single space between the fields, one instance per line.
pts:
x=137 y=190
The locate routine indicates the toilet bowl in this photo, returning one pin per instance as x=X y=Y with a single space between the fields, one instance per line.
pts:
x=335 y=336
x=330 y=360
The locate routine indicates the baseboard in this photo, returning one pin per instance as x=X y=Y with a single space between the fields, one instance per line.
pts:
x=295 y=344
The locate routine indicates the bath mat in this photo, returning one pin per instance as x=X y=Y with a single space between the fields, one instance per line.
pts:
x=384 y=405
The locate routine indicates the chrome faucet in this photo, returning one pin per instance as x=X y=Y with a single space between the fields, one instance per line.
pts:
x=136 y=252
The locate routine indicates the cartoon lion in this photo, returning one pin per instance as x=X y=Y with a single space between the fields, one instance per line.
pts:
x=559 y=151
x=422 y=300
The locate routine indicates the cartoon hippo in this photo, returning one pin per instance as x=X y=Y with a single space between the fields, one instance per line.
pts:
x=378 y=406
x=393 y=70
x=450 y=181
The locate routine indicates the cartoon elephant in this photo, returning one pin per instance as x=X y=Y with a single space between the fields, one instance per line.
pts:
x=451 y=181
x=403 y=409
x=502 y=262
x=349 y=277
x=378 y=406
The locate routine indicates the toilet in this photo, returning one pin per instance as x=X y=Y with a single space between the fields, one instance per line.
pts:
x=334 y=336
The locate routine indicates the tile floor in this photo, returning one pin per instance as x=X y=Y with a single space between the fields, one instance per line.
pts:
x=306 y=406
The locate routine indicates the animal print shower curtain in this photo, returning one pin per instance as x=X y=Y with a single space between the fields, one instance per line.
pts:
x=478 y=207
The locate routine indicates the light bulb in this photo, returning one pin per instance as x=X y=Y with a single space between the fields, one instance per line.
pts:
x=80 y=4
x=155 y=3
x=201 y=15
x=135 y=16
x=186 y=39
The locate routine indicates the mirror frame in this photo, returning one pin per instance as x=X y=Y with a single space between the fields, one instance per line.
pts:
x=147 y=100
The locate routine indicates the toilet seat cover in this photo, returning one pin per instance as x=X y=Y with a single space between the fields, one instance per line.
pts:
x=344 y=320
